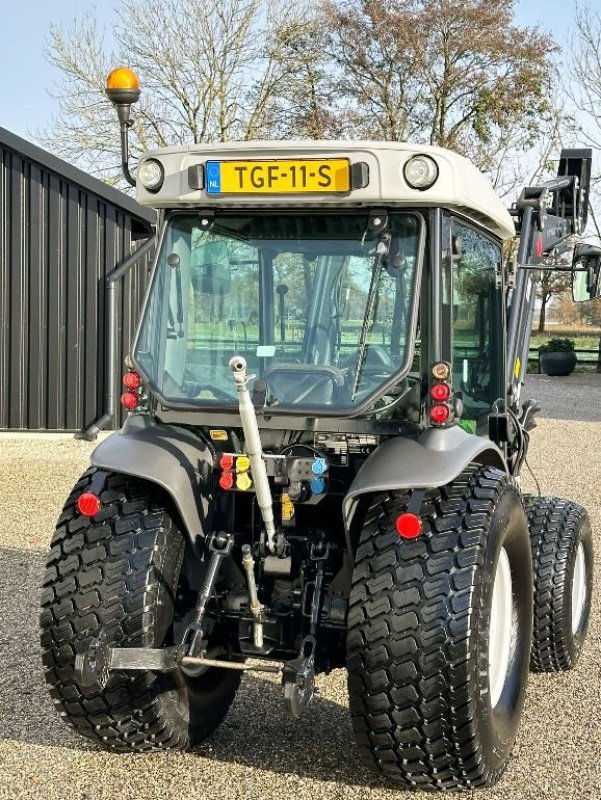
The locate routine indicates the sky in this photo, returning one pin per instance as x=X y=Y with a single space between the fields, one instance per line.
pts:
x=28 y=79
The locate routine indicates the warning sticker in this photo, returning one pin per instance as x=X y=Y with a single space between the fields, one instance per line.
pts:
x=287 y=508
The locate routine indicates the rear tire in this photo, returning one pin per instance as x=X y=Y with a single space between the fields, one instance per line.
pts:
x=562 y=556
x=418 y=645
x=116 y=575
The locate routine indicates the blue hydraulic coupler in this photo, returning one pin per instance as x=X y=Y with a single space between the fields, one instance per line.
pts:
x=319 y=466
x=318 y=485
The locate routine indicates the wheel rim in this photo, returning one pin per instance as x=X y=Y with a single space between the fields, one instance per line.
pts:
x=578 y=588
x=501 y=622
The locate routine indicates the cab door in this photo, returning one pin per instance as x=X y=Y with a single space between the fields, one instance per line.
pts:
x=476 y=318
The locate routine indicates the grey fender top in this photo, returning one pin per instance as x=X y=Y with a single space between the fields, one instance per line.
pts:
x=169 y=456
x=434 y=459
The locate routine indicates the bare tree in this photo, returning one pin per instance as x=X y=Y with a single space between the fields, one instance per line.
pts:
x=585 y=91
x=210 y=70
x=307 y=105
x=454 y=73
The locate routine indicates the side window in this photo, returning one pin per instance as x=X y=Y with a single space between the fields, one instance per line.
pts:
x=477 y=321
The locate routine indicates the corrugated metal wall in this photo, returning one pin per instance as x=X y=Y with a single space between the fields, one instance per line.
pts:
x=58 y=241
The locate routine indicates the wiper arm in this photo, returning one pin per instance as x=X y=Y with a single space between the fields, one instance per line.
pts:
x=382 y=249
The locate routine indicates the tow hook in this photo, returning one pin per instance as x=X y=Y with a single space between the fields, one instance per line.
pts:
x=93 y=668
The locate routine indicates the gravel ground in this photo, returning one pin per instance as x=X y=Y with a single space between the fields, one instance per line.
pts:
x=258 y=752
x=575 y=397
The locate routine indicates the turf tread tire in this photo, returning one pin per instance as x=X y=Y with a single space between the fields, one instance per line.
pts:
x=116 y=573
x=556 y=528
x=408 y=653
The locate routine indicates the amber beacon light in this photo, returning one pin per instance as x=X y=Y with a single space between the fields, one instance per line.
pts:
x=122 y=86
x=123 y=89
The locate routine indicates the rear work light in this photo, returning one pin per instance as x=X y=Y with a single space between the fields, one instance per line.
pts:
x=421 y=172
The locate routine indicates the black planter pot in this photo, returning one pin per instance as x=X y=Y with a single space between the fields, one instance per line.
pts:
x=558 y=363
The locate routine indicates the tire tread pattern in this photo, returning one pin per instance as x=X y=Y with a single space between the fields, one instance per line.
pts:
x=408 y=648
x=554 y=526
x=104 y=574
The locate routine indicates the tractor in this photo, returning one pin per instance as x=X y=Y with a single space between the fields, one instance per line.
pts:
x=321 y=459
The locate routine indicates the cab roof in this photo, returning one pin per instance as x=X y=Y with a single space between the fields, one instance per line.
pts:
x=460 y=185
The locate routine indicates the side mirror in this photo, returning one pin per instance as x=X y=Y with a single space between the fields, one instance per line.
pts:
x=123 y=90
x=586 y=277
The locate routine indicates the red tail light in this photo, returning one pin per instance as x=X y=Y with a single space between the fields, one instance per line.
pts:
x=439 y=414
x=440 y=392
x=132 y=380
x=88 y=504
x=129 y=400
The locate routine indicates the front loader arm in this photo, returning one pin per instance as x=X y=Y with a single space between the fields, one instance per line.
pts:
x=548 y=217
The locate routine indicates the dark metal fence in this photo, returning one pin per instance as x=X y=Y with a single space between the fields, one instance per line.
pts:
x=61 y=233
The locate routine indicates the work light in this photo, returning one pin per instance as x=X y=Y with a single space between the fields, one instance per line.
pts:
x=421 y=172
x=151 y=175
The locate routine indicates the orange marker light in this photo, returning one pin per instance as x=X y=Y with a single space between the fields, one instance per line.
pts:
x=441 y=370
x=122 y=78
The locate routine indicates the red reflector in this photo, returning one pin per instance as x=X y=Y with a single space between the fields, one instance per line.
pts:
x=88 y=504
x=439 y=414
x=440 y=392
x=226 y=481
x=226 y=461
x=409 y=526
x=132 y=380
x=539 y=246
x=129 y=400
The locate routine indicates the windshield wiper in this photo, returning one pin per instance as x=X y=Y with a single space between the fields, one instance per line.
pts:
x=382 y=249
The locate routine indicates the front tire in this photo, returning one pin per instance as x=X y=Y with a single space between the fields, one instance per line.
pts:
x=115 y=576
x=562 y=556
x=420 y=680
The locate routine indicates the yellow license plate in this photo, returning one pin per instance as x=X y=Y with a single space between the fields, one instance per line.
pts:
x=280 y=176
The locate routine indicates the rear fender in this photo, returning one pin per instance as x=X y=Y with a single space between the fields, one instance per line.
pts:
x=436 y=458
x=171 y=457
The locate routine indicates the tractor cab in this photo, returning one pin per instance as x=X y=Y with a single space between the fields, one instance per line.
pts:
x=320 y=264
